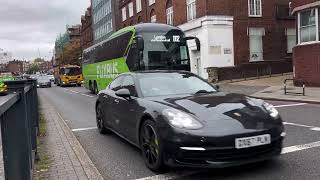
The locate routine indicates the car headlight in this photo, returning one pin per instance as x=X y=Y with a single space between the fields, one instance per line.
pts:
x=272 y=111
x=181 y=120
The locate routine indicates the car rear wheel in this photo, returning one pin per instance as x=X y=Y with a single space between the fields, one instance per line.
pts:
x=151 y=146
x=100 y=121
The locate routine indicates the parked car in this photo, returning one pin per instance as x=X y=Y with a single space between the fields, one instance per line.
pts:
x=43 y=81
x=51 y=77
x=178 y=119
x=5 y=77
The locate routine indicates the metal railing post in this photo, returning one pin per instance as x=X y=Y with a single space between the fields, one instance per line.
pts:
x=16 y=141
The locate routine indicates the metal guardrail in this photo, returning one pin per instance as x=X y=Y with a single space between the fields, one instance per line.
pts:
x=19 y=126
x=298 y=83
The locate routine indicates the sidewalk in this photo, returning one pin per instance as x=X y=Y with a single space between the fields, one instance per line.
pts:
x=70 y=161
x=272 y=88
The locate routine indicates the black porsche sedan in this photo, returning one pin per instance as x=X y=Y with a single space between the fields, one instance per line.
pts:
x=178 y=119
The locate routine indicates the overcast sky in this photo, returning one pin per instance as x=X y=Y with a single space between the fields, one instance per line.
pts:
x=29 y=25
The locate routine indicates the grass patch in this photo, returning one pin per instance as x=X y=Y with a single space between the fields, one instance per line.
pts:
x=43 y=162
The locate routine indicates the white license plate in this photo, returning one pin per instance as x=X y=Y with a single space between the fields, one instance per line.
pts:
x=253 y=141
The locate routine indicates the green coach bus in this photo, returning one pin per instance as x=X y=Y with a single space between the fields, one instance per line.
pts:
x=148 y=46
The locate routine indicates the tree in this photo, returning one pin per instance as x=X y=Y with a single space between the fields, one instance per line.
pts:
x=33 y=69
x=71 y=53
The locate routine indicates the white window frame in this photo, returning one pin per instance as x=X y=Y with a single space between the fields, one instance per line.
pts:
x=255 y=14
x=130 y=7
x=317 y=27
x=170 y=15
x=153 y=19
x=138 y=6
x=191 y=10
x=151 y=2
x=124 y=13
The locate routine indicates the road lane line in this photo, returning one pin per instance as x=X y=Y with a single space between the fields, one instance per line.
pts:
x=313 y=128
x=87 y=95
x=290 y=105
x=74 y=91
x=301 y=147
x=83 y=129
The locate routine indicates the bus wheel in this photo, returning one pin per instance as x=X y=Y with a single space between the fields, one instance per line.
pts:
x=95 y=88
x=90 y=87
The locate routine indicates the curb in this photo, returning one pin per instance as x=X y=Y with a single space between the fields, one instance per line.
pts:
x=85 y=161
x=286 y=100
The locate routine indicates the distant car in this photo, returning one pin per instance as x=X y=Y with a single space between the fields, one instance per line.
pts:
x=43 y=81
x=5 y=77
x=179 y=119
x=51 y=77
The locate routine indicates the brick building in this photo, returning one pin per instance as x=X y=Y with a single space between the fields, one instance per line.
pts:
x=306 y=55
x=15 y=66
x=232 y=33
x=86 y=29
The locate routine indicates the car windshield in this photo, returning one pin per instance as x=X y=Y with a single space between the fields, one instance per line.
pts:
x=162 y=84
x=43 y=79
x=71 y=71
x=165 y=50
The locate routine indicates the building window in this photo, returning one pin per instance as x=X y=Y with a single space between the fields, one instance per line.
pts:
x=256 y=44
x=151 y=2
x=130 y=6
x=191 y=10
x=138 y=5
x=308 y=22
x=255 y=8
x=291 y=39
x=124 y=13
x=170 y=16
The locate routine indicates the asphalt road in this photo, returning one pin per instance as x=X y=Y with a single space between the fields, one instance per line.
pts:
x=117 y=159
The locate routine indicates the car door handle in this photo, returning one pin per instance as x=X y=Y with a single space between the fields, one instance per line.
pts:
x=116 y=101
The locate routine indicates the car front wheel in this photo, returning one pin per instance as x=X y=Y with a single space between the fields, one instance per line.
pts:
x=100 y=121
x=151 y=146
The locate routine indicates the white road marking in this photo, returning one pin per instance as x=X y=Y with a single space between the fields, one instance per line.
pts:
x=87 y=95
x=83 y=129
x=290 y=105
x=313 y=128
x=301 y=147
x=74 y=91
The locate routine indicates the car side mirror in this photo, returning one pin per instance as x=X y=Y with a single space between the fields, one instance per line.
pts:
x=140 y=43
x=124 y=93
x=196 y=40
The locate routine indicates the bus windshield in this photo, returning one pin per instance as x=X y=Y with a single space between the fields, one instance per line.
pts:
x=166 y=50
x=71 y=71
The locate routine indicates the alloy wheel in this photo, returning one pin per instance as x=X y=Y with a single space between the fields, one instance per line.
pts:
x=150 y=145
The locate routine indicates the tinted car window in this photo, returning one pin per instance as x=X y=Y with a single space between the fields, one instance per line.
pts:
x=116 y=84
x=128 y=83
x=161 y=84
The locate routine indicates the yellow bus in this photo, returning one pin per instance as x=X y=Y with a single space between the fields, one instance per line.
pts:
x=68 y=75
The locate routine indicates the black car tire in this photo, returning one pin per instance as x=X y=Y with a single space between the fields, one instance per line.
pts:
x=152 y=152
x=95 y=88
x=100 y=120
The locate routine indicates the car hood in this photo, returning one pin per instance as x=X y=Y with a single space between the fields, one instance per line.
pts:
x=222 y=112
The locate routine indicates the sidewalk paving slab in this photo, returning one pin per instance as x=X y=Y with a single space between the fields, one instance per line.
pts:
x=272 y=88
x=70 y=161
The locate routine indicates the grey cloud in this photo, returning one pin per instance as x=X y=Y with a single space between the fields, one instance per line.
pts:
x=32 y=24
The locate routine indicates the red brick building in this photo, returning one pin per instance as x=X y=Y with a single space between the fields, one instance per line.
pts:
x=232 y=33
x=15 y=66
x=86 y=29
x=306 y=55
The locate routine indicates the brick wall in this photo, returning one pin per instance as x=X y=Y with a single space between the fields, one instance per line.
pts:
x=86 y=30
x=307 y=63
